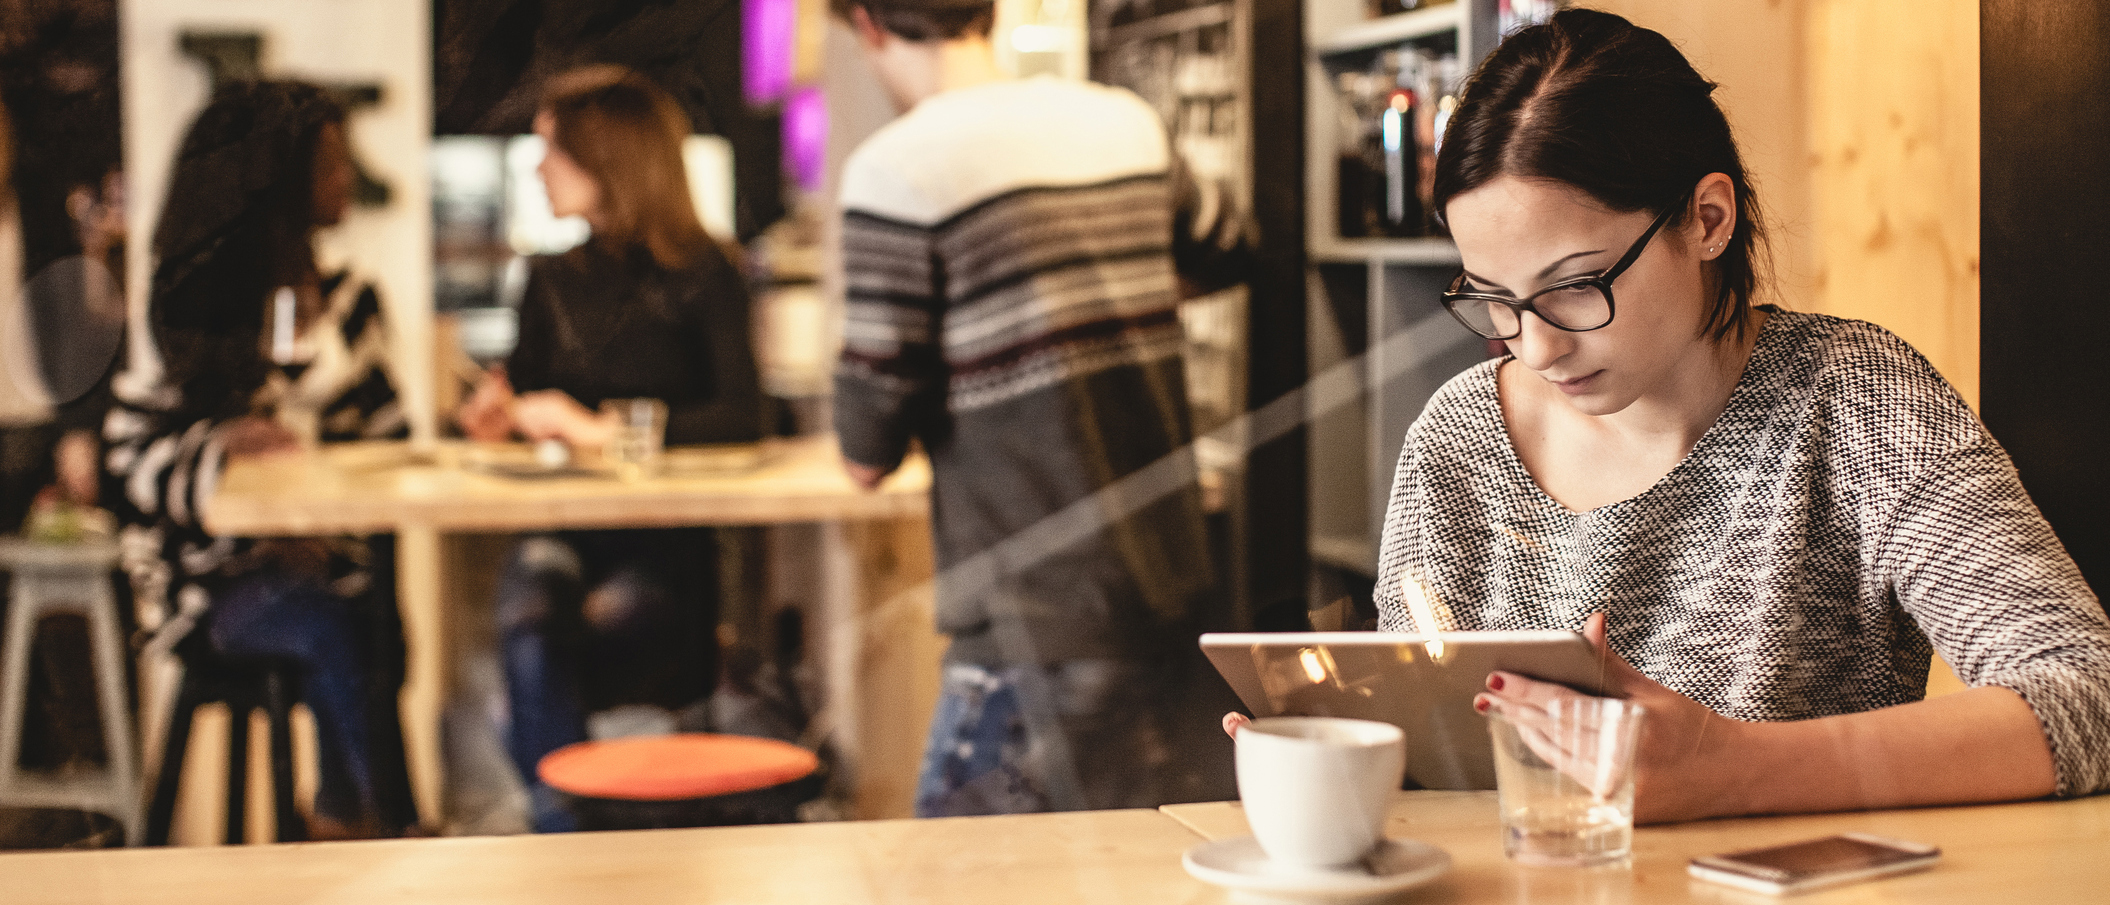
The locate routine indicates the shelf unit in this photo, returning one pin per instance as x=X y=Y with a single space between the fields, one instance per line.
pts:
x=1372 y=302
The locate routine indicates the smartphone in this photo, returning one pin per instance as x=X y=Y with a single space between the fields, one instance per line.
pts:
x=1815 y=864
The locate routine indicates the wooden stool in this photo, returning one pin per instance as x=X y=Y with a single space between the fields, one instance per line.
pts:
x=691 y=779
x=244 y=684
x=68 y=578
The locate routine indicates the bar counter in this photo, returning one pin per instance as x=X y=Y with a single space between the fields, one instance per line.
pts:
x=2033 y=852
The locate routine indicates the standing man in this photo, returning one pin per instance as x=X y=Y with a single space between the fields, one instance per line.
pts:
x=1007 y=250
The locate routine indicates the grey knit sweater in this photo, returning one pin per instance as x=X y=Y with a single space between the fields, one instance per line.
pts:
x=1008 y=254
x=1845 y=510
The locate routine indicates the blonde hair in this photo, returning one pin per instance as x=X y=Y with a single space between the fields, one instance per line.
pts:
x=627 y=133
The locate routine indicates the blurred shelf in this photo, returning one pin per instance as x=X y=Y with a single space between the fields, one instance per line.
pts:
x=1397 y=28
x=1431 y=252
x=1167 y=25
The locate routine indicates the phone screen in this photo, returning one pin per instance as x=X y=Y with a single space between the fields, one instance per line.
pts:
x=1832 y=854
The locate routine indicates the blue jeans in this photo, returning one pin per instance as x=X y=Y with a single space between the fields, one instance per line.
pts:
x=1065 y=736
x=590 y=620
x=275 y=614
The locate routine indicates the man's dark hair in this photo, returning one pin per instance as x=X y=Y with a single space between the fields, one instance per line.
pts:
x=1596 y=102
x=925 y=20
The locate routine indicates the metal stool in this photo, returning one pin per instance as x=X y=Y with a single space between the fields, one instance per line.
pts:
x=52 y=578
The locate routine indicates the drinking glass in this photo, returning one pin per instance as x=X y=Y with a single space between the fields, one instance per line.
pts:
x=640 y=427
x=1565 y=780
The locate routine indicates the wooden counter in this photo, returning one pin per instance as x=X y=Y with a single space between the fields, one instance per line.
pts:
x=2035 y=852
x=1096 y=857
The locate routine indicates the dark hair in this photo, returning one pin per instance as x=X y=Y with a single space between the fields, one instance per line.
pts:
x=627 y=132
x=1596 y=102
x=925 y=20
x=237 y=222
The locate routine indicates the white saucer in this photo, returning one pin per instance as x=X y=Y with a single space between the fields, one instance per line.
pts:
x=1239 y=865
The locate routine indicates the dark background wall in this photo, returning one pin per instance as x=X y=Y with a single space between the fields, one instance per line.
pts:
x=490 y=58
x=2045 y=298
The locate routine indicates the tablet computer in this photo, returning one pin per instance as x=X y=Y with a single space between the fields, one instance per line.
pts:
x=1424 y=684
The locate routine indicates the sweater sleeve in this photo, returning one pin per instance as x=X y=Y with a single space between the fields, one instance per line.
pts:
x=163 y=460
x=1973 y=561
x=528 y=367
x=890 y=382
x=730 y=409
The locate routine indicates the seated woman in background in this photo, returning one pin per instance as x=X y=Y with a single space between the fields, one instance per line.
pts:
x=1769 y=514
x=648 y=307
x=262 y=168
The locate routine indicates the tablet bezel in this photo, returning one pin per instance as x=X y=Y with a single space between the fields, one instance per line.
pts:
x=1399 y=678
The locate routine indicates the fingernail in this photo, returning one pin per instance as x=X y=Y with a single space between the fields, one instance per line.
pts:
x=1494 y=682
x=1480 y=704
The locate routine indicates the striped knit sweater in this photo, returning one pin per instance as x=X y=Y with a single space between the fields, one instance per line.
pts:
x=166 y=449
x=1011 y=305
x=1844 y=511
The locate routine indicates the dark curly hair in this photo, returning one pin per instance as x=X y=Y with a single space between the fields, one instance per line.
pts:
x=238 y=221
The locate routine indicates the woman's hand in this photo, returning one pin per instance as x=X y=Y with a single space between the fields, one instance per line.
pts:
x=1687 y=765
x=75 y=462
x=487 y=415
x=553 y=414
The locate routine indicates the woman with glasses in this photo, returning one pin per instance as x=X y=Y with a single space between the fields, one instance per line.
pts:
x=1768 y=514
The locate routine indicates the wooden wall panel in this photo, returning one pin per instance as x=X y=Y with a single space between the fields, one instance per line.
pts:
x=1859 y=122
x=1893 y=131
x=1753 y=50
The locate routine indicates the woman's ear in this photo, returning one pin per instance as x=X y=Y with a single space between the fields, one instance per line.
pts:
x=868 y=32
x=1714 y=204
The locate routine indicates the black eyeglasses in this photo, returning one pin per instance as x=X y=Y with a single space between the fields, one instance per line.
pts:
x=1577 y=306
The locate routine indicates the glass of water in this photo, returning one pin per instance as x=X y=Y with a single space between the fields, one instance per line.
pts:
x=1565 y=779
x=640 y=427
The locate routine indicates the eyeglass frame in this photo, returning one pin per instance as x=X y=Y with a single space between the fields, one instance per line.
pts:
x=1602 y=281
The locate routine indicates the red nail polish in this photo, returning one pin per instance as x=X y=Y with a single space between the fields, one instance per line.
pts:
x=1480 y=704
x=1494 y=682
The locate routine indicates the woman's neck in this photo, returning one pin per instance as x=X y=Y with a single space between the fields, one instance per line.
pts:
x=1683 y=410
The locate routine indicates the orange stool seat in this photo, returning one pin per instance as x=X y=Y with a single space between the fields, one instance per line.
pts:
x=674 y=767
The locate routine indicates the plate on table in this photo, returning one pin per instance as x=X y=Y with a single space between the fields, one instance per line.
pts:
x=1239 y=865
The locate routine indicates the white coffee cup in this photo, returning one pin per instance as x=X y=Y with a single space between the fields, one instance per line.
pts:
x=1316 y=789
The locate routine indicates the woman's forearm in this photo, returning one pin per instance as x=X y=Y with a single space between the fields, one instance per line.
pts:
x=1983 y=744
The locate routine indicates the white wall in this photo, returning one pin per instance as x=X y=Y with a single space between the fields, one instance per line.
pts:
x=384 y=42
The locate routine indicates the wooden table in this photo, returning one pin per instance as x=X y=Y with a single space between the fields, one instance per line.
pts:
x=1095 y=857
x=2039 y=853
x=367 y=488
x=2036 y=852
x=370 y=488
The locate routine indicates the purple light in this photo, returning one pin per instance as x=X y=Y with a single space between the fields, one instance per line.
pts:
x=806 y=137
x=770 y=33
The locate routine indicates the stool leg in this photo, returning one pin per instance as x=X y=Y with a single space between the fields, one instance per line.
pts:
x=161 y=812
x=14 y=672
x=238 y=709
x=116 y=705
x=278 y=704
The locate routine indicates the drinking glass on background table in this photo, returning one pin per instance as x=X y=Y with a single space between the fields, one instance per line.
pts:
x=293 y=353
x=639 y=429
x=1565 y=780
x=1316 y=789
